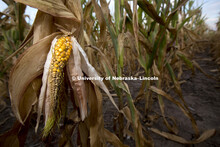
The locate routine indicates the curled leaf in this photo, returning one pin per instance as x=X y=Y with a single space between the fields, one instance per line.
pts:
x=78 y=86
x=53 y=7
x=113 y=139
x=205 y=135
x=91 y=72
x=28 y=67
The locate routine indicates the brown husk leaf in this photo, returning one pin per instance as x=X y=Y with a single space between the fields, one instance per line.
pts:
x=28 y=67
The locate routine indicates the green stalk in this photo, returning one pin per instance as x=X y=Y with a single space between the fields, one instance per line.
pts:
x=133 y=117
x=117 y=15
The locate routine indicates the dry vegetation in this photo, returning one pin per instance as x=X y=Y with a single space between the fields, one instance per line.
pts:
x=154 y=38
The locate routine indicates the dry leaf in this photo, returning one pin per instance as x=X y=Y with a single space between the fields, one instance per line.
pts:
x=29 y=98
x=28 y=67
x=182 y=108
x=101 y=20
x=78 y=86
x=75 y=8
x=43 y=26
x=113 y=139
x=91 y=72
x=205 y=135
x=96 y=122
x=53 y=7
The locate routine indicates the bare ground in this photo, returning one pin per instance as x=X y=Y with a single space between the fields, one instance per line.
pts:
x=201 y=94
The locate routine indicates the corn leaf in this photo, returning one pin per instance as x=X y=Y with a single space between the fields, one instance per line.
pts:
x=21 y=74
x=74 y=70
x=187 y=61
x=207 y=134
x=53 y=7
x=150 y=10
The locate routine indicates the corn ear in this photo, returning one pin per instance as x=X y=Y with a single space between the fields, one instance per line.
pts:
x=60 y=55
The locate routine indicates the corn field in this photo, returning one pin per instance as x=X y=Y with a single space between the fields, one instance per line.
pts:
x=85 y=75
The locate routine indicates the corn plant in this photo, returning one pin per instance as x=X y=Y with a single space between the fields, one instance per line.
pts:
x=75 y=38
x=13 y=27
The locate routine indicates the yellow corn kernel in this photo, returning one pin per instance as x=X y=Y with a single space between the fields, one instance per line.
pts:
x=67 y=38
x=60 y=49
x=57 y=53
x=56 y=48
x=58 y=60
x=58 y=44
x=67 y=55
x=55 y=65
x=63 y=46
x=63 y=54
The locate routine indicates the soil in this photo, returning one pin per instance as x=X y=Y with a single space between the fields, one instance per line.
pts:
x=201 y=94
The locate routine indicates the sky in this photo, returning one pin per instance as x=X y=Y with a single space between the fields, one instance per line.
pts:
x=210 y=9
